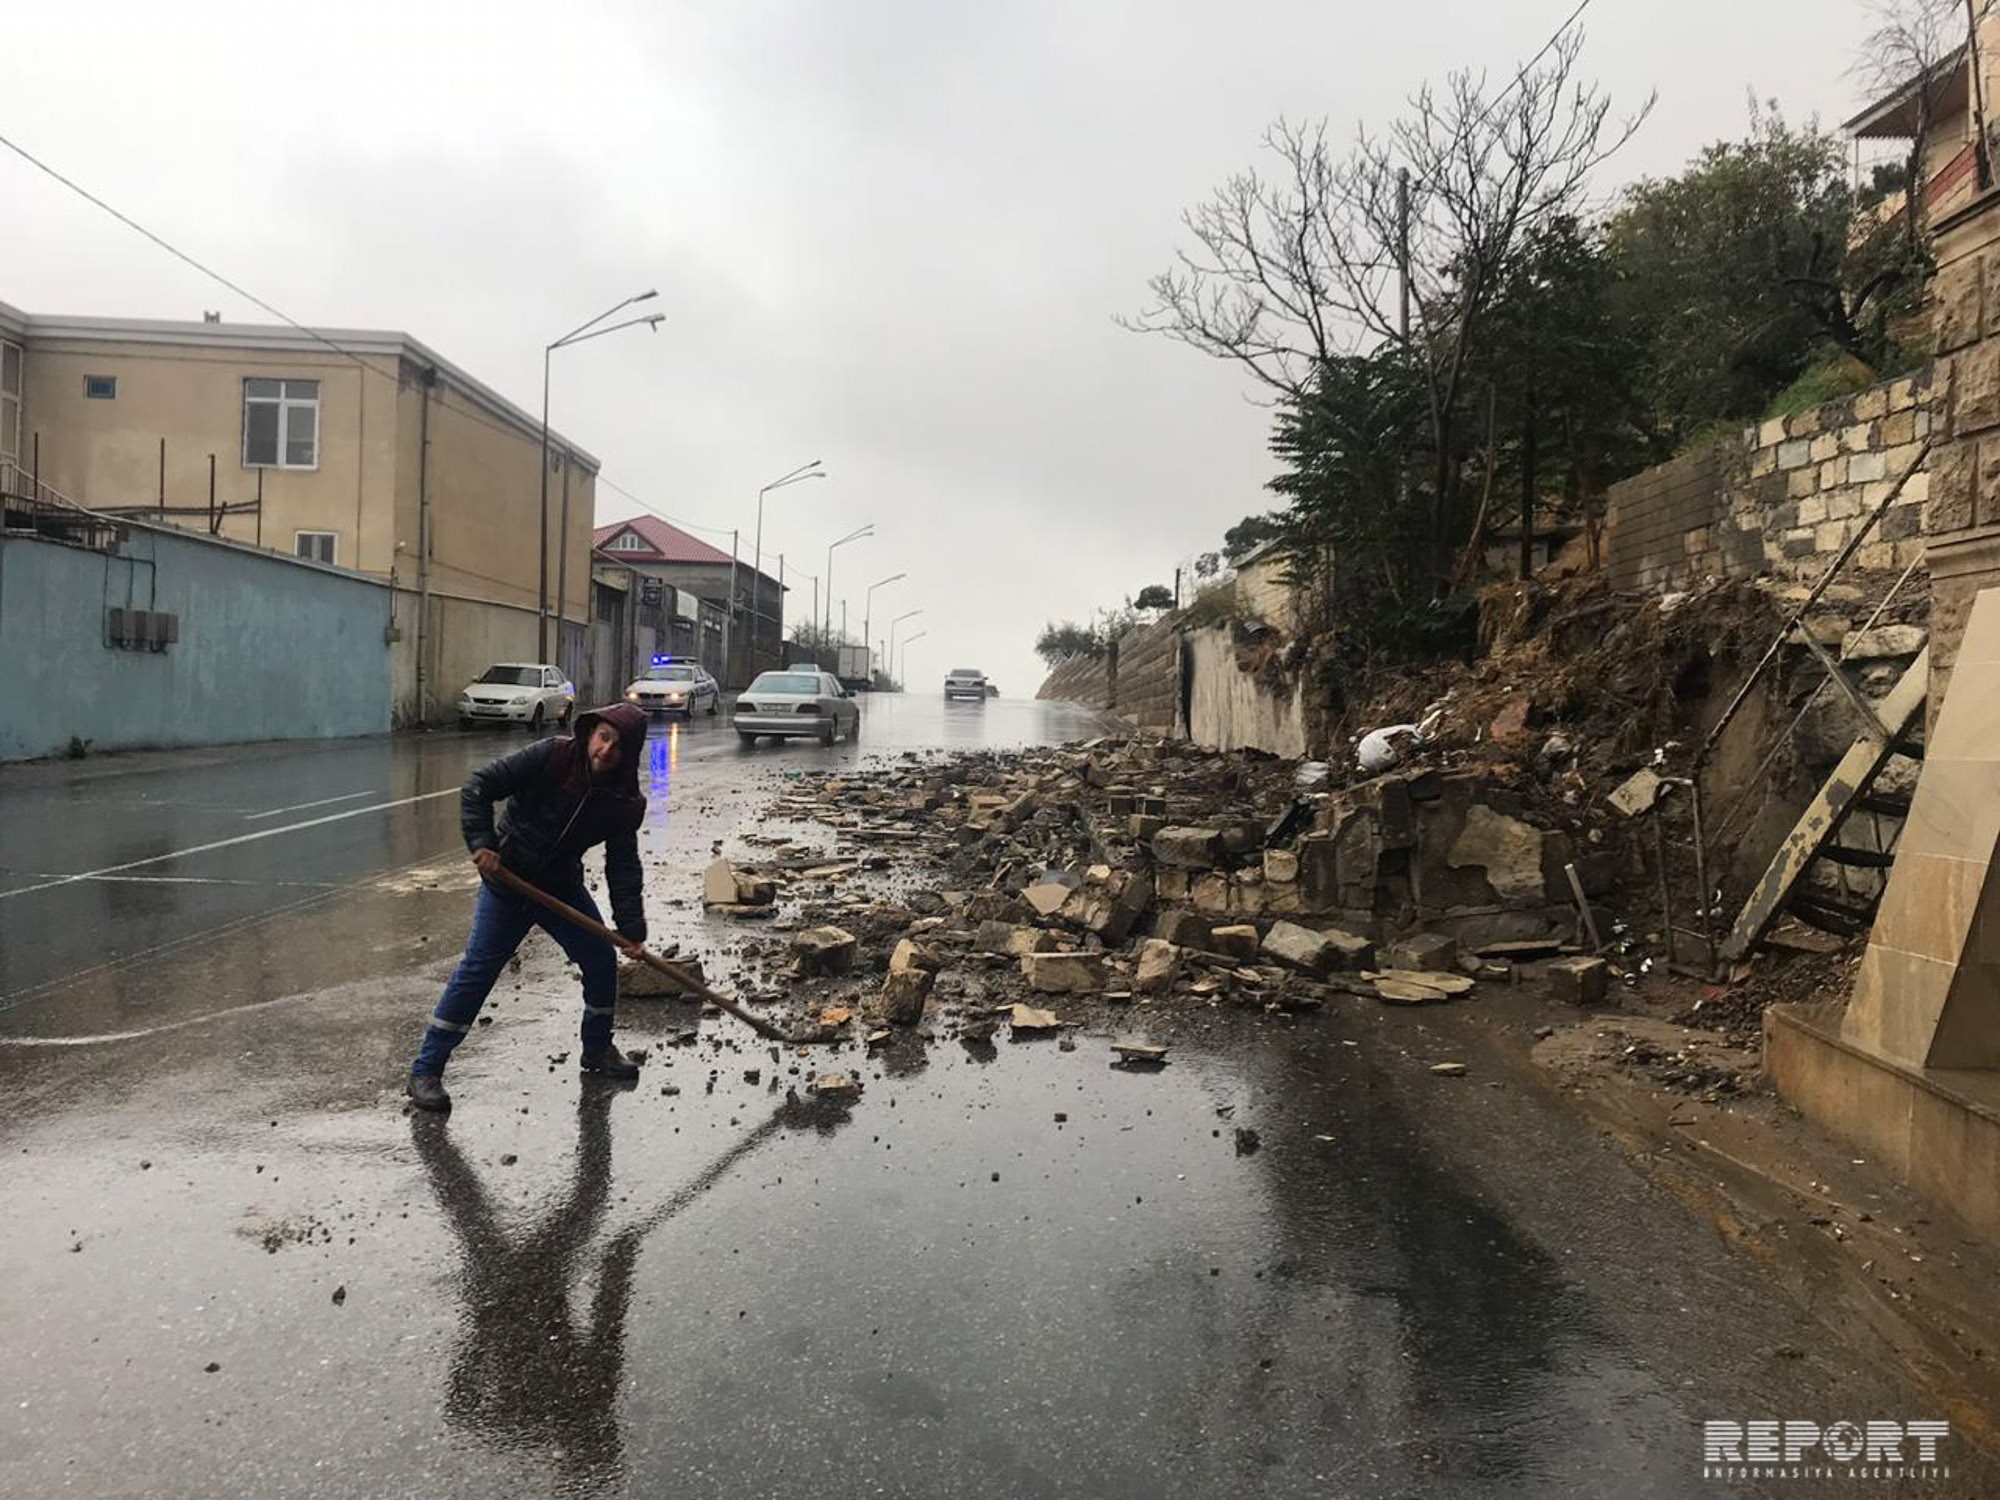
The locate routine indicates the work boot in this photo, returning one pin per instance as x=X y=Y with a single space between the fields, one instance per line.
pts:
x=611 y=1063
x=426 y=1091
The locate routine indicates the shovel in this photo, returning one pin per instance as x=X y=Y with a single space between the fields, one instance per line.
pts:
x=679 y=975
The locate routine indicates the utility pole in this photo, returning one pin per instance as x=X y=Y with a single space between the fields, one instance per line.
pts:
x=1982 y=154
x=729 y=620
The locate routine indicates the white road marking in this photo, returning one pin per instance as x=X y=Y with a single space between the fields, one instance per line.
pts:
x=242 y=838
x=302 y=806
x=55 y=879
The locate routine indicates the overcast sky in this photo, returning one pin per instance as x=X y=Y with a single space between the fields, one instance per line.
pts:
x=892 y=236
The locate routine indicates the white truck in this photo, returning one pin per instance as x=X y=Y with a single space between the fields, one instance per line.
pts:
x=856 y=669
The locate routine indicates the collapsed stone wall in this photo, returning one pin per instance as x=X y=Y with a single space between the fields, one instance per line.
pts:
x=1443 y=851
x=1782 y=497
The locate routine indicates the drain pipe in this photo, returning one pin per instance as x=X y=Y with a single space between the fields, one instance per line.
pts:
x=428 y=381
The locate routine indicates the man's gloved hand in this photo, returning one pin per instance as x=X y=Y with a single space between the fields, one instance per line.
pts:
x=633 y=932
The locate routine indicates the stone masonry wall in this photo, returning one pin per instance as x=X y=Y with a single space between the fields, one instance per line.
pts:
x=1781 y=498
x=1148 y=686
x=1962 y=520
x=1081 y=679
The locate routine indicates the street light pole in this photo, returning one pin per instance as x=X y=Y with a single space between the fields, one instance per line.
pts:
x=892 y=640
x=868 y=618
x=853 y=536
x=802 y=472
x=576 y=335
x=919 y=635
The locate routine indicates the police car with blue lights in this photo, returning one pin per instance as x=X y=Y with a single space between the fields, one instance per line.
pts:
x=674 y=685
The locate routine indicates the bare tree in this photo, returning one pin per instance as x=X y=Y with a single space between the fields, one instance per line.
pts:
x=1402 y=242
x=1914 y=51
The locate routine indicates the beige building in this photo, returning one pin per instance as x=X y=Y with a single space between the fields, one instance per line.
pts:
x=365 y=450
x=1945 y=107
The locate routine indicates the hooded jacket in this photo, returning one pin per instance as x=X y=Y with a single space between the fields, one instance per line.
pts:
x=556 y=809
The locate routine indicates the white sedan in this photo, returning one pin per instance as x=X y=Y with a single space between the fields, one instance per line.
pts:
x=532 y=693
x=796 y=704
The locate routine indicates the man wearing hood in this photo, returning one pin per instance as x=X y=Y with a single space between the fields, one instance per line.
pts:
x=563 y=795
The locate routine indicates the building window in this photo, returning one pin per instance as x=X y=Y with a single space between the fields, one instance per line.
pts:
x=100 y=387
x=627 y=541
x=281 y=424
x=319 y=546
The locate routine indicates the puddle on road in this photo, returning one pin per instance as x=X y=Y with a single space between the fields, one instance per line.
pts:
x=1011 y=1270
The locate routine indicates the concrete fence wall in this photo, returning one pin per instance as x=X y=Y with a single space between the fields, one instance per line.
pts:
x=269 y=647
x=1231 y=710
x=1782 y=497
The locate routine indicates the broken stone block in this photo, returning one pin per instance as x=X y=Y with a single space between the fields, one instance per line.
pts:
x=1580 y=981
x=1423 y=951
x=1159 y=966
x=1185 y=929
x=1885 y=641
x=1508 y=850
x=1031 y=940
x=835 y=1086
x=1241 y=836
x=1109 y=904
x=1064 y=973
x=1246 y=894
x=1029 y=1018
x=994 y=937
x=1388 y=799
x=1210 y=894
x=1236 y=942
x=1281 y=866
x=911 y=957
x=1172 y=885
x=825 y=951
x=1350 y=951
x=725 y=885
x=1637 y=793
x=1187 y=848
x=1145 y=827
x=1299 y=948
x=904 y=992
x=1047 y=897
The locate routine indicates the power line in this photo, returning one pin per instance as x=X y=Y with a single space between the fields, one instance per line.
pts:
x=312 y=333
x=221 y=280
x=652 y=509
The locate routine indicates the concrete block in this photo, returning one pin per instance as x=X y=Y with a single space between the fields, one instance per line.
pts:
x=1580 y=981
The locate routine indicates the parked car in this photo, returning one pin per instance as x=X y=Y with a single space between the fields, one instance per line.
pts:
x=965 y=682
x=794 y=704
x=531 y=693
x=675 y=687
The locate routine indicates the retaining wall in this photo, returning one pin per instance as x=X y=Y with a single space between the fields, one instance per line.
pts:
x=1782 y=497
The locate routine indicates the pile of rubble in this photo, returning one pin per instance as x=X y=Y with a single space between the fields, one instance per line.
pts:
x=1137 y=872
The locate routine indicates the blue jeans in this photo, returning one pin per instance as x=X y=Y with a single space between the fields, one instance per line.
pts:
x=499 y=923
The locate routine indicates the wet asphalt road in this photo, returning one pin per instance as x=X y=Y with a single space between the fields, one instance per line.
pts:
x=234 y=1266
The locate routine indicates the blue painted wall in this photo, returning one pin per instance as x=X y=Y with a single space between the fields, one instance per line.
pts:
x=269 y=648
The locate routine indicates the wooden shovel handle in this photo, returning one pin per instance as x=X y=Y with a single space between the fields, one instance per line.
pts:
x=680 y=976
